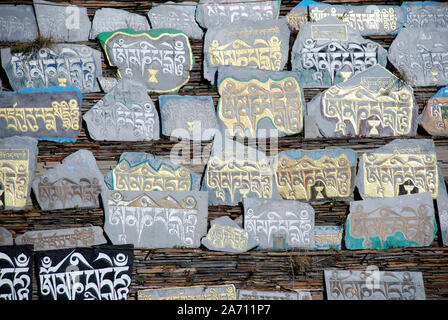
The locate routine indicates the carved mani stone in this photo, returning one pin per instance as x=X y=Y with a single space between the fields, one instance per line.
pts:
x=328 y=237
x=17 y=23
x=297 y=17
x=223 y=292
x=273 y=295
x=424 y=14
x=16 y=268
x=107 y=83
x=434 y=118
x=5 y=237
x=442 y=206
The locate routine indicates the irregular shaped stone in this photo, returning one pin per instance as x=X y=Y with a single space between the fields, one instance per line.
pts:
x=255 y=103
x=235 y=171
x=160 y=59
x=17 y=23
x=176 y=15
x=139 y=171
x=62 y=23
x=126 y=113
x=76 y=182
x=156 y=219
x=62 y=238
x=424 y=14
x=434 y=118
x=373 y=103
x=5 y=237
x=317 y=175
x=223 y=292
x=273 y=295
x=17 y=167
x=418 y=54
x=188 y=117
x=220 y=13
x=329 y=52
x=297 y=17
x=260 y=45
x=107 y=83
x=403 y=166
x=45 y=114
x=111 y=19
x=442 y=208
x=328 y=237
x=373 y=285
x=60 y=65
x=279 y=224
x=225 y=235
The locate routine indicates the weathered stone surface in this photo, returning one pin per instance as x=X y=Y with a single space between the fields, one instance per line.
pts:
x=442 y=206
x=255 y=103
x=76 y=182
x=328 y=237
x=5 y=237
x=160 y=59
x=273 y=295
x=317 y=175
x=107 y=83
x=329 y=52
x=17 y=165
x=188 y=117
x=297 y=17
x=279 y=224
x=223 y=292
x=260 y=45
x=434 y=118
x=17 y=23
x=156 y=219
x=139 y=171
x=60 y=65
x=176 y=15
x=373 y=103
x=62 y=23
x=225 y=235
x=45 y=114
x=220 y=13
x=62 y=238
x=110 y=19
x=126 y=113
x=423 y=14
x=403 y=166
x=373 y=284
x=419 y=53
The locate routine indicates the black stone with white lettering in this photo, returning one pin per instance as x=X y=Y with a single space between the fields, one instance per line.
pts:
x=16 y=272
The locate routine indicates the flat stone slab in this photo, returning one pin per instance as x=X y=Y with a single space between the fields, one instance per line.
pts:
x=111 y=19
x=60 y=65
x=62 y=23
x=262 y=45
x=220 y=13
x=52 y=114
x=6 y=238
x=329 y=52
x=176 y=15
x=160 y=59
x=225 y=235
x=16 y=265
x=188 y=117
x=273 y=295
x=374 y=285
x=328 y=237
x=107 y=83
x=418 y=54
x=279 y=224
x=434 y=118
x=442 y=206
x=223 y=292
x=102 y=273
x=17 y=23
x=423 y=14
x=297 y=17
x=126 y=113
x=317 y=175
x=75 y=183
x=139 y=171
x=62 y=238
x=373 y=103
x=17 y=164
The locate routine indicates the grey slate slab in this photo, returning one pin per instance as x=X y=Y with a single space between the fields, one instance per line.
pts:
x=17 y=23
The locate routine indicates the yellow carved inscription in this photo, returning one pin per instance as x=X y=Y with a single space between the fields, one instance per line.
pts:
x=14 y=176
x=221 y=237
x=224 y=292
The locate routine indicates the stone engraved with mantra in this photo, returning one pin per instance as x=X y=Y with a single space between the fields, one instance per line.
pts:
x=390 y=175
x=223 y=292
x=14 y=168
x=243 y=104
x=16 y=275
x=60 y=239
x=296 y=178
x=221 y=236
x=437 y=115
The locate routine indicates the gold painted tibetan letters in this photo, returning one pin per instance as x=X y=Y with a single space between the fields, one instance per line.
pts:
x=14 y=177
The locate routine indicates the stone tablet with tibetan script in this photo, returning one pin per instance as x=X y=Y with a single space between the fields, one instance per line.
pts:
x=262 y=45
x=373 y=103
x=316 y=176
x=107 y=83
x=76 y=182
x=45 y=114
x=297 y=17
x=423 y=14
x=160 y=59
x=6 y=237
x=328 y=52
x=139 y=171
x=16 y=269
x=17 y=167
x=103 y=273
x=420 y=54
x=403 y=221
x=279 y=224
x=17 y=23
x=126 y=113
x=62 y=238
x=442 y=206
x=224 y=292
x=434 y=118
x=59 y=65
x=273 y=295
x=373 y=284
x=328 y=237
x=156 y=219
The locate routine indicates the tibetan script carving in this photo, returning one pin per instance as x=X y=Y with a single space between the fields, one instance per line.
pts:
x=16 y=272
x=297 y=17
x=435 y=114
x=326 y=237
x=17 y=23
x=224 y=292
x=273 y=295
x=425 y=14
